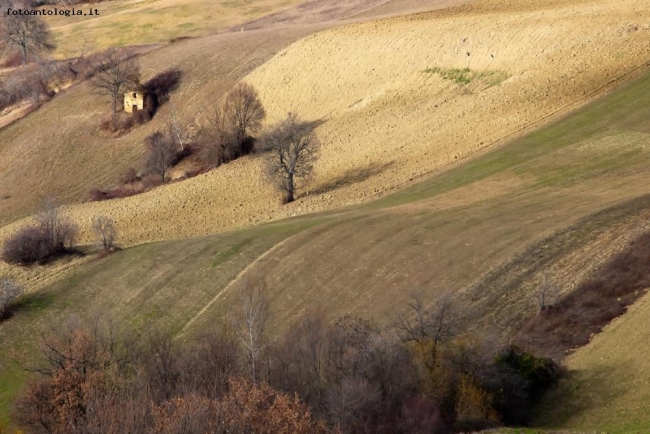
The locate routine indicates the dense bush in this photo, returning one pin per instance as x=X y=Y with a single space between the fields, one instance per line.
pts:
x=50 y=236
x=521 y=381
x=27 y=246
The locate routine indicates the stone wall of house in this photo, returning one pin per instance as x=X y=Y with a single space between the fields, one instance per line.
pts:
x=133 y=99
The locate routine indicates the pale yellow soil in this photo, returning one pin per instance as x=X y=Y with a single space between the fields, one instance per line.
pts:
x=13 y=113
x=367 y=82
x=385 y=120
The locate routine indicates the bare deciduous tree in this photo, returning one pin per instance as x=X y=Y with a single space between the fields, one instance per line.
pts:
x=114 y=74
x=9 y=291
x=161 y=154
x=161 y=364
x=29 y=33
x=59 y=231
x=250 y=321
x=104 y=229
x=350 y=403
x=219 y=135
x=176 y=129
x=428 y=328
x=246 y=109
x=546 y=293
x=293 y=149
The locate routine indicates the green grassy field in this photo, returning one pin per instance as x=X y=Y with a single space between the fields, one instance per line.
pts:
x=450 y=232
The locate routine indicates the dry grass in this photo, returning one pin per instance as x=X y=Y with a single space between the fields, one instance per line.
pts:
x=425 y=238
x=367 y=102
x=366 y=260
x=136 y=22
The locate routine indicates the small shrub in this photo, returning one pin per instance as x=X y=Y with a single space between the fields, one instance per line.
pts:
x=473 y=407
x=27 y=246
x=50 y=236
x=141 y=117
x=9 y=292
x=116 y=124
x=97 y=195
x=523 y=380
x=466 y=76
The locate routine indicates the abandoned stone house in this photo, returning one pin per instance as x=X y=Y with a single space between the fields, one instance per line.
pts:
x=133 y=101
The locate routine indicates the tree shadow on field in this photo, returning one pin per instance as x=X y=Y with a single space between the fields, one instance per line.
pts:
x=160 y=86
x=579 y=393
x=352 y=176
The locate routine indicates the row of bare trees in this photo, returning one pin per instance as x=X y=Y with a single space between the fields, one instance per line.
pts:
x=344 y=376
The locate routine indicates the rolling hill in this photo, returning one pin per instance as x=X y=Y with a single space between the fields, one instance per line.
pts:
x=467 y=150
x=560 y=200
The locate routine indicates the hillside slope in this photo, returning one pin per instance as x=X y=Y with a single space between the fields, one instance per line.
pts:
x=386 y=119
x=57 y=151
x=381 y=108
x=135 y=22
x=560 y=200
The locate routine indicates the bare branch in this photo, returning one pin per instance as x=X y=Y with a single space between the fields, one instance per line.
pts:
x=105 y=231
x=250 y=321
x=114 y=75
x=293 y=149
x=29 y=33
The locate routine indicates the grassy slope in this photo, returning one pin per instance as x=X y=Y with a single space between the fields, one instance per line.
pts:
x=363 y=80
x=448 y=233
x=42 y=153
x=130 y=22
x=608 y=384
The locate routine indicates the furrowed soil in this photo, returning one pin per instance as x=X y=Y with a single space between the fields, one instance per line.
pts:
x=446 y=97
x=559 y=201
x=391 y=95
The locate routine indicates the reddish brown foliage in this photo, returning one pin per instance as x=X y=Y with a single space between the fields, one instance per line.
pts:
x=245 y=408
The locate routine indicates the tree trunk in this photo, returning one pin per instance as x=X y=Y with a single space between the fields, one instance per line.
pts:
x=114 y=97
x=24 y=48
x=290 y=188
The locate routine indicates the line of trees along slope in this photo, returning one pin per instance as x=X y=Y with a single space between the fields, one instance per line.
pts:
x=348 y=376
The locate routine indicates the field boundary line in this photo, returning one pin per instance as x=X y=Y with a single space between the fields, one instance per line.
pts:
x=233 y=281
